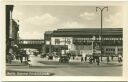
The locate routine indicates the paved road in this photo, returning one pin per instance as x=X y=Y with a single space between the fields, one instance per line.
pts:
x=73 y=71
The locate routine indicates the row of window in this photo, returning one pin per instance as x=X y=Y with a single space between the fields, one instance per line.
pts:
x=109 y=49
x=86 y=40
x=112 y=49
x=82 y=47
x=103 y=42
x=98 y=39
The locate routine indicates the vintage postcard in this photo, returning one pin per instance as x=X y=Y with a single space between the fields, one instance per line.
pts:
x=64 y=41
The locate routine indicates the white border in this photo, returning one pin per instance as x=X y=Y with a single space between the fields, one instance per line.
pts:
x=67 y=78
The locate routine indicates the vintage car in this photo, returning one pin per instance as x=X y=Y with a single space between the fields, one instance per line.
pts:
x=50 y=57
x=64 y=59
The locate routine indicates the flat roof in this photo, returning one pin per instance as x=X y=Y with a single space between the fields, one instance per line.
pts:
x=48 y=32
x=87 y=31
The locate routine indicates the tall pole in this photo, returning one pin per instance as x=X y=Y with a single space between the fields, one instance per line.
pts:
x=50 y=50
x=64 y=45
x=101 y=14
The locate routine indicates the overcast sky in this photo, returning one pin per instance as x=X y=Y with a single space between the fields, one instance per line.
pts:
x=34 y=20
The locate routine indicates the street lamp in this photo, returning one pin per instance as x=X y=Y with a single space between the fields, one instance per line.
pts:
x=64 y=45
x=93 y=39
x=101 y=14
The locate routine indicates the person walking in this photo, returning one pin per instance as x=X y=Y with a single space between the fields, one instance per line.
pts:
x=10 y=58
x=21 y=56
x=94 y=58
x=119 y=58
x=98 y=60
x=83 y=53
x=82 y=59
x=90 y=59
x=85 y=58
x=107 y=59
x=73 y=56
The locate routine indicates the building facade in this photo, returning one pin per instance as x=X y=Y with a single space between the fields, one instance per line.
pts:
x=12 y=31
x=87 y=40
x=9 y=9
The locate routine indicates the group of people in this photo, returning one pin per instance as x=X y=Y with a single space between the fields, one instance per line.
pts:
x=95 y=58
x=92 y=59
x=18 y=56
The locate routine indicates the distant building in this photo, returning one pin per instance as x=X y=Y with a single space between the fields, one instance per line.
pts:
x=85 y=40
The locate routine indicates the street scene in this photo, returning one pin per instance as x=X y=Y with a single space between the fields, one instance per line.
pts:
x=73 y=41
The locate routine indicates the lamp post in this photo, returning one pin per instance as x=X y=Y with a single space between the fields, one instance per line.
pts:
x=101 y=14
x=64 y=45
x=50 y=45
x=93 y=39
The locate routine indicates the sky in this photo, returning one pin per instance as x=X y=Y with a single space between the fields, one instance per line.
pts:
x=34 y=20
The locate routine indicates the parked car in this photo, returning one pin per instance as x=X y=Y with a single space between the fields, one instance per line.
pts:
x=50 y=57
x=64 y=59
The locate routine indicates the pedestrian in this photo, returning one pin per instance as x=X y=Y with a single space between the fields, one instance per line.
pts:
x=98 y=60
x=82 y=59
x=29 y=63
x=10 y=58
x=119 y=58
x=21 y=56
x=73 y=56
x=90 y=59
x=94 y=58
x=26 y=57
x=107 y=59
x=85 y=58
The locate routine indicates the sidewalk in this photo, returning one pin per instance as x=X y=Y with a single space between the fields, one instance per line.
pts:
x=78 y=64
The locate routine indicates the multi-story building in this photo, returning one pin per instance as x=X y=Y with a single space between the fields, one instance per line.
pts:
x=85 y=40
x=12 y=28
x=9 y=9
x=14 y=32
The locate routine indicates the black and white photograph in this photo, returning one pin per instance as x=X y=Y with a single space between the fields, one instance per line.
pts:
x=64 y=40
